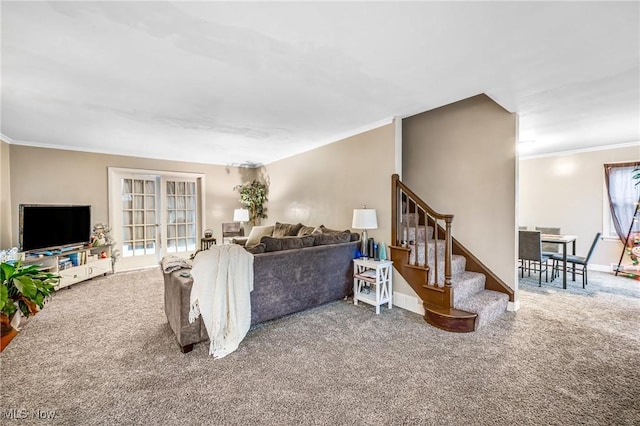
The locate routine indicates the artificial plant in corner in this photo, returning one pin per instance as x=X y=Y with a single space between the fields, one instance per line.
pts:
x=23 y=292
x=253 y=196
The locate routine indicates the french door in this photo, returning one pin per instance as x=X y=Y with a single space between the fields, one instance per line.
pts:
x=153 y=214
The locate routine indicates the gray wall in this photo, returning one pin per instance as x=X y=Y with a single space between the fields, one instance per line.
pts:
x=568 y=191
x=5 y=197
x=324 y=185
x=461 y=159
x=40 y=175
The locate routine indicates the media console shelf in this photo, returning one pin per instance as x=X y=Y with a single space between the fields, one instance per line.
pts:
x=75 y=265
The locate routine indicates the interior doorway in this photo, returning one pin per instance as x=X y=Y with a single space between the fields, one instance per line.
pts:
x=153 y=214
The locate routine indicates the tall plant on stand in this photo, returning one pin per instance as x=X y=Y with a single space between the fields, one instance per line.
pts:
x=253 y=196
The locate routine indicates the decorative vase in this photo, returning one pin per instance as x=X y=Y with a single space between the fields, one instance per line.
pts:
x=7 y=332
x=382 y=252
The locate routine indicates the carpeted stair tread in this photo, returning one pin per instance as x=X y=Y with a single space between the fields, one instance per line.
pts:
x=466 y=285
x=458 y=267
x=488 y=304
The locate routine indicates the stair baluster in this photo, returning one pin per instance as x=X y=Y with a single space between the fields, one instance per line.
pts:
x=418 y=259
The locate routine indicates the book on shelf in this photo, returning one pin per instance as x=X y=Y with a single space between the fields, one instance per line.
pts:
x=369 y=273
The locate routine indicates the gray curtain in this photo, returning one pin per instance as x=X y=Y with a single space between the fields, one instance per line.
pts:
x=623 y=195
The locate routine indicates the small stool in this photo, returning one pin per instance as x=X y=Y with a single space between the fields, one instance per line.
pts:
x=205 y=243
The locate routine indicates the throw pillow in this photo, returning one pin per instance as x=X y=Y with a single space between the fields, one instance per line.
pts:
x=326 y=230
x=260 y=248
x=307 y=230
x=331 y=238
x=286 y=229
x=257 y=232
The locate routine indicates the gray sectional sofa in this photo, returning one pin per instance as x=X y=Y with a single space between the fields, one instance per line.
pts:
x=285 y=281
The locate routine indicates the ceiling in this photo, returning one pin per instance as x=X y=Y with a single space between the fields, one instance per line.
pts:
x=249 y=83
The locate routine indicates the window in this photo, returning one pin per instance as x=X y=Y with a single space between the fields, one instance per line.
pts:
x=622 y=196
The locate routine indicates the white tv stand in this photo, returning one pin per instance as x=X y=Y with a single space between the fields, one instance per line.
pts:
x=73 y=265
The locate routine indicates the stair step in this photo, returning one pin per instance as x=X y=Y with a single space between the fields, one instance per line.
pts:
x=466 y=285
x=487 y=304
x=449 y=319
x=458 y=267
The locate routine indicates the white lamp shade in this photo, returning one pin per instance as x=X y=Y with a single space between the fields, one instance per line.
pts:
x=241 y=215
x=364 y=219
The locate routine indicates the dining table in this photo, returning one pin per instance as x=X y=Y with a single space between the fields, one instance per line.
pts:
x=562 y=240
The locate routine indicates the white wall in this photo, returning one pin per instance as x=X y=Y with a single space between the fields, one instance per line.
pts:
x=567 y=191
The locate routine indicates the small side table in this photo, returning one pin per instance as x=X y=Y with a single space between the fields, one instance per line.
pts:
x=205 y=243
x=377 y=274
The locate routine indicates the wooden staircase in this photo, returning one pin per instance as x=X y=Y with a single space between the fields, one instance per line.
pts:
x=459 y=293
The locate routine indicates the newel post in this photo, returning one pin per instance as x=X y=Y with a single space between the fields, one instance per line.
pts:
x=447 y=251
x=394 y=209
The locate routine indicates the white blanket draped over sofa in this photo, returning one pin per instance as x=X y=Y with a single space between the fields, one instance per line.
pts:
x=222 y=283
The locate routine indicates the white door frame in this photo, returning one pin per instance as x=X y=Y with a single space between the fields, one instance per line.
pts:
x=115 y=215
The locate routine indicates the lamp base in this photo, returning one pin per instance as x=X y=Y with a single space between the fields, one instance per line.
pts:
x=364 y=246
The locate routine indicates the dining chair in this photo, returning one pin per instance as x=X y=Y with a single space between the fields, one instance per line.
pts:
x=530 y=250
x=230 y=230
x=581 y=261
x=522 y=228
x=549 y=249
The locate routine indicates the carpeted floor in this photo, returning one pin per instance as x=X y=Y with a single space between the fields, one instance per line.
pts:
x=102 y=352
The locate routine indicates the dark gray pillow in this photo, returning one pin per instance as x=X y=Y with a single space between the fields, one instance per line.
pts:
x=260 y=248
x=286 y=229
x=286 y=243
x=325 y=230
x=355 y=236
x=332 y=238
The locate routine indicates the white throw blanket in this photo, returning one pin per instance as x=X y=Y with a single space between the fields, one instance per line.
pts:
x=222 y=283
x=172 y=263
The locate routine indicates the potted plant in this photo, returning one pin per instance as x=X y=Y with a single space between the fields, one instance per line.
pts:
x=23 y=292
x=253 y=195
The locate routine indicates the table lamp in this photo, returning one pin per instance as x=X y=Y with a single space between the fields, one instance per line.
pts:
x=364 y=219
x=241 y=215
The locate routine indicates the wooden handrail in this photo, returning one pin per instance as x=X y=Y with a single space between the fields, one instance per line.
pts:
x=430 y=215
x=493 y=282
x=396 y=182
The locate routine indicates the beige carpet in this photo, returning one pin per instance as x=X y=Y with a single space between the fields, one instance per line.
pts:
x=101 y=352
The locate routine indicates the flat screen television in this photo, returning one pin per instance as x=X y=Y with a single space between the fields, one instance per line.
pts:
x=47 y=226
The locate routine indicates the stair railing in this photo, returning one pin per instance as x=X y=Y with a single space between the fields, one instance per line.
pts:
x=409 y=211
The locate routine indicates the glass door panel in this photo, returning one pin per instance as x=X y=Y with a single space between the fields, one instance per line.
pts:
x=181 y=215
x=154 y=214
x=139 y=227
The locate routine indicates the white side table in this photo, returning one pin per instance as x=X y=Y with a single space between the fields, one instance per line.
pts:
x=377 y=274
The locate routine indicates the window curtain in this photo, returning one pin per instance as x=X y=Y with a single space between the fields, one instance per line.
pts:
x=623 y=195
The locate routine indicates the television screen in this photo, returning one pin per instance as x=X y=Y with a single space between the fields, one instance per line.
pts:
x=48 y=226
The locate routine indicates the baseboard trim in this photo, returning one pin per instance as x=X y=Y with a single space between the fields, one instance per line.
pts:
x=140 y=268
x=599 y=268
x=410 y=303
x=513 y=306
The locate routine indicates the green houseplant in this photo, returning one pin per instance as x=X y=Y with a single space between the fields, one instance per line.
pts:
x=253 y=196
x=23 y=292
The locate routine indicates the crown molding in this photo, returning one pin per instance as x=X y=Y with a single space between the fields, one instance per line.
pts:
x=581 y=150
x=6 y=139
